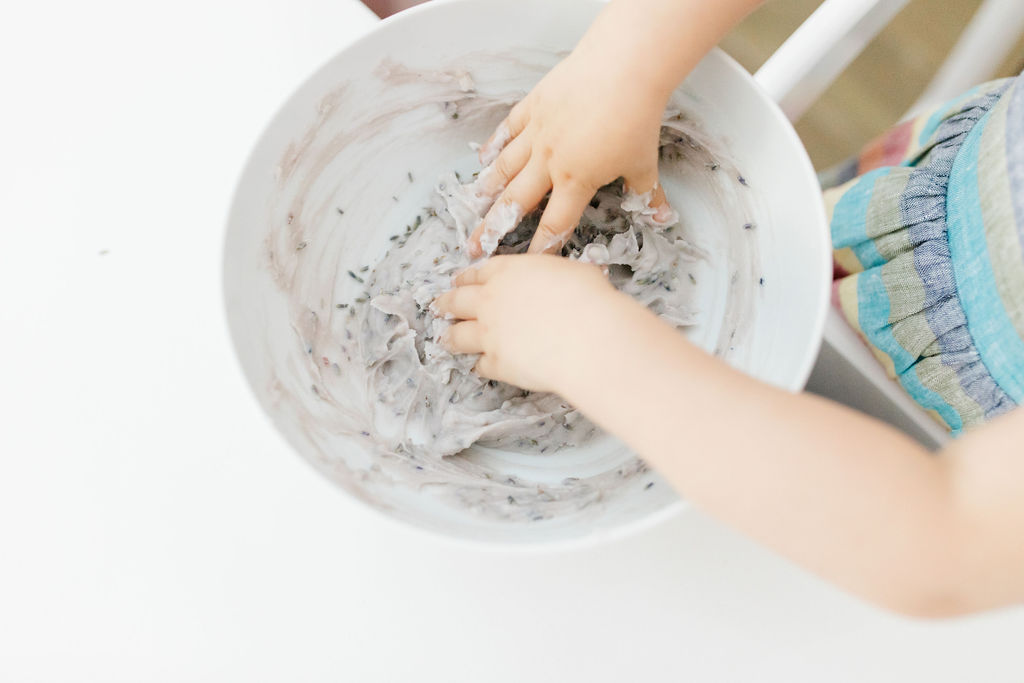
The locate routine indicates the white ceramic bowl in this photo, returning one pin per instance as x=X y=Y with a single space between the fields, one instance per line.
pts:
x=380 y=113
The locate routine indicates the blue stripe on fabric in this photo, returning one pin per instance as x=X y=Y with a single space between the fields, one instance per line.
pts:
x=849 y=220
x=936 y=119
x=995 y=337
x=873 y=311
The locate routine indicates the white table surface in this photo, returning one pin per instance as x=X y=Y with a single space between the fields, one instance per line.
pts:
x=153 y=525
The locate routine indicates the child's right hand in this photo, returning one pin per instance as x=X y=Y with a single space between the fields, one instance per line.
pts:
x=594 y=118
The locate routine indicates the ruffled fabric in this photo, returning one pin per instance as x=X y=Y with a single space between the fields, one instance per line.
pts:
x=910 y=276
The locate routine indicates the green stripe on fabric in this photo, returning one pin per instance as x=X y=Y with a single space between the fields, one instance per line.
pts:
x=884 y=214
x=943 y=380
x=906 y=293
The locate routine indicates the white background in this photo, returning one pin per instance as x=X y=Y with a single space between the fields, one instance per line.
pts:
x=154 y=527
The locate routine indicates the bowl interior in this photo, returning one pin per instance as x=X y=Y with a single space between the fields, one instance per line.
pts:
x=353 y=156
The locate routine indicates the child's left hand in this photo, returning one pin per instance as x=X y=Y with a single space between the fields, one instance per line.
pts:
x=534 y=318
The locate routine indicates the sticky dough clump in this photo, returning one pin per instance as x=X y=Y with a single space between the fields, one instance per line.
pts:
x=426 y=402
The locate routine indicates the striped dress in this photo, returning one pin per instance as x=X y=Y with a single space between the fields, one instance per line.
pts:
x=928 y=230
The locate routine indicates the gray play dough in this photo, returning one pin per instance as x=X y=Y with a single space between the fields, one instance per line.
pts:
x=427 y=403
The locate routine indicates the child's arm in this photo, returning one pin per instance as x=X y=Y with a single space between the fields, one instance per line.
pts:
x=839 y=493
x=597 y=115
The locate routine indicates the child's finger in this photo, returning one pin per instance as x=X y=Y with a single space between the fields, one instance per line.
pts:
x=478 y=275
x=486 y=367
x=665 y=213
x=560 y=218
x=507 y=130
x=648 y=183
x=519 y=198
x=464 y=337
x=496 y=177
x=461 y=303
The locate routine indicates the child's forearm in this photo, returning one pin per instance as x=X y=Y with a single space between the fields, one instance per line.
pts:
x=843 y=495
x=666 y=38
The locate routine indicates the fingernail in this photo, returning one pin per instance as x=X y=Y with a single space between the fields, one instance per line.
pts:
x=436 y=311
x=663 y=213
x=489 y=152
x=485 y=185
x=551 y=244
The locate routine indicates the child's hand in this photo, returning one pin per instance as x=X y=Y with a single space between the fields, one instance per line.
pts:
x=592 y=119
x=596 y=116
x=531 y=316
